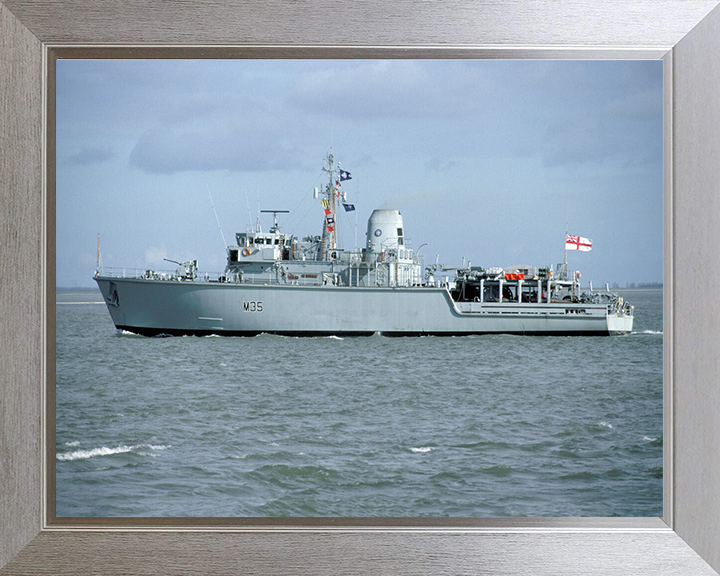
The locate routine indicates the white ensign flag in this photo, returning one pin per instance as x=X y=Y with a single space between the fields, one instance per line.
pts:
x=577 y=243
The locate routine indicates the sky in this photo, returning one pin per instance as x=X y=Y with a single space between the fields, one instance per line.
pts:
x=488 y=161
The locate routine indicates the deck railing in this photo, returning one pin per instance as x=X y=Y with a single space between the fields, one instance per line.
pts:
x=215 y=277
x=147 y=274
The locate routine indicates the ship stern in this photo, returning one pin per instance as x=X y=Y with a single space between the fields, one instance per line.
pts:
x=619 y=323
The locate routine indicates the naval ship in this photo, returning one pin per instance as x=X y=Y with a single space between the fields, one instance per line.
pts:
x=280 y=284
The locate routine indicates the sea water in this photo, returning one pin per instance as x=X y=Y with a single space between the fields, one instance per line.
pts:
x=270 y=426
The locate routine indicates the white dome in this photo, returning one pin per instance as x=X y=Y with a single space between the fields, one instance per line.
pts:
x=385 y=230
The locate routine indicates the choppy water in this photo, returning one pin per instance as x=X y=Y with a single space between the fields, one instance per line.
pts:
x=276 y=426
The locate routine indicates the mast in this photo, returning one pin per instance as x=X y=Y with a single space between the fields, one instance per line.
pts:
x=329 y=238
x=331 y=192
x=565 y=253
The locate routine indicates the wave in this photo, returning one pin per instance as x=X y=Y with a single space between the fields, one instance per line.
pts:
x=105 y=451
x=659 y=332
x=422 y=449
x=580 y=476
x=485 y=444
x=84 y=454
x=653 y=441
x=286 y=474
x=500 y=470
x=119 y=332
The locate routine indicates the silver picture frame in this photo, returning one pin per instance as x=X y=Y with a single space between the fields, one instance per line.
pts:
x=685 y=34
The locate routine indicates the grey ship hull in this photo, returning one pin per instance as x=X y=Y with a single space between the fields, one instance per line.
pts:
x=174 y=307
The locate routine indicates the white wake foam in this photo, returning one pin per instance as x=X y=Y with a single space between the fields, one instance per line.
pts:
x=105 y=451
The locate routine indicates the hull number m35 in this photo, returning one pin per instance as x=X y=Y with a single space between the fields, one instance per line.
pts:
x=253 y=306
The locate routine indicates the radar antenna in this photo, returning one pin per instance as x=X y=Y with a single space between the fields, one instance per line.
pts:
x=275 y=227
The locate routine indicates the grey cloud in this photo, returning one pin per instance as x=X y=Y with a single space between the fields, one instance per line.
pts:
x=597 y=138
x=90 y=156
x=442 y=165
x=364 y=161
x=167 y=151
x=402 y=88
x=221 y=132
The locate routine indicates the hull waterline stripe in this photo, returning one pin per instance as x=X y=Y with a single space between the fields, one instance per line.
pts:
x=314 y=334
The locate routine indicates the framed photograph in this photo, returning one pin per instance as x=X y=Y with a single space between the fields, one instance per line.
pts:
x=671 y=543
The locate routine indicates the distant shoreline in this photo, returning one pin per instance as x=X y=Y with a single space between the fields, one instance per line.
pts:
x=638 y=289
x=77 y=289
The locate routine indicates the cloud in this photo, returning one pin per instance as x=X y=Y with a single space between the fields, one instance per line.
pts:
x=89 y=156
x=444 y=112
x=364 y=161
x=384 y=88
x=627 y=139
x=218 y=132
x=178 y=149
x=442 y=164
